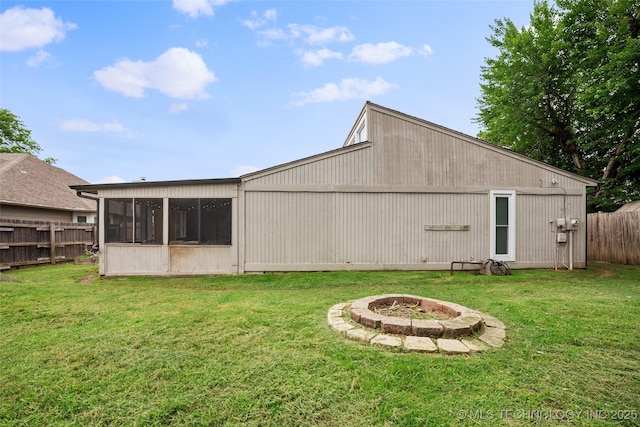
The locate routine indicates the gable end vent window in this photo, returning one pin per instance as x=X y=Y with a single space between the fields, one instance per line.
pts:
x=200 y=221
x=362 y=132
x=503 y=230
x=133 y=221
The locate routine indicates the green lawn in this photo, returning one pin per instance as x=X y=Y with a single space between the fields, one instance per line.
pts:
x=256 y=351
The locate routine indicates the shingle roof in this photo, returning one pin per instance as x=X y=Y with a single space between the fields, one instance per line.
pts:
x=27 y=181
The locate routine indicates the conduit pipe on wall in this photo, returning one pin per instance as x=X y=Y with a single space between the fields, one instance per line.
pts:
x=570 y=250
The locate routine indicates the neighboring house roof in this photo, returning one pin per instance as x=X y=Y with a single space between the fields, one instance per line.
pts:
x=630 y=207
x=27 y=181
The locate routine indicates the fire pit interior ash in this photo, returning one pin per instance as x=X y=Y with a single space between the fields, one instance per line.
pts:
x=408 y=310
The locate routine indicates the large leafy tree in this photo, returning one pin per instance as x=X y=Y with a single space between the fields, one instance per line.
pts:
x=566 y=90
x=15 y=137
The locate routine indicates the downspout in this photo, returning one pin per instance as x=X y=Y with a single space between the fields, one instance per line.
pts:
x=97 y=200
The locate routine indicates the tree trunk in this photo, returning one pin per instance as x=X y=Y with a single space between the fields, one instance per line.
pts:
x=612 y=164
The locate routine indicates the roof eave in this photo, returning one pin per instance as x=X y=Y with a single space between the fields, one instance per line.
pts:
x=94 y=188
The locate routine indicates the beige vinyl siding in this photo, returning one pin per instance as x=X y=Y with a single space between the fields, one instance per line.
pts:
x=410 y=151
x=333 y=230
x=174 y=191
x=535 y=233
x=348 y=166
x=201 y=260
x=341 y=229
x=121 y=259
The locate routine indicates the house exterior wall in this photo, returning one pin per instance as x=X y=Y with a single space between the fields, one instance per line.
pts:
x=413 y=196
x=35 y=214
x=169 y=259
x=413 y=152
x=306 y=231
x=536 y=231
x=90 y=217
x=369 y=207
x=358 y=230
x=353 y=166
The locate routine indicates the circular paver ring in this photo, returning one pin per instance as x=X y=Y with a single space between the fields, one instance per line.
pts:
x=468 y=331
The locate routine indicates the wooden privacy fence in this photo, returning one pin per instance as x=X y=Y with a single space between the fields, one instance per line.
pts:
x=614 y=237
x=42 y=242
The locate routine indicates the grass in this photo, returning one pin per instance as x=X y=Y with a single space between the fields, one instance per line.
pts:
x=256 y=351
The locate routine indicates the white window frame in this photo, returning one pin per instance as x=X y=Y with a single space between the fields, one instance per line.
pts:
x=362 y=131
x=359 y=133
x=511 y=231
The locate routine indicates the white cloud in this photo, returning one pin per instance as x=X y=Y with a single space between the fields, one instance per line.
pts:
x=84 y=125
x=113 y=179
x=178 y=108
x=256 y=21
x=315 y=58
x=195 y=8
x=113 y=127
x=270 y=14
x=79 y=125
x=345 y=90
x=22 y=29
x=319 y=36
x=177 y=73
x=272 y=34
x=243 y=170
x=426 y=50
x=381 y=53
x=41 y=57
x=309 y=34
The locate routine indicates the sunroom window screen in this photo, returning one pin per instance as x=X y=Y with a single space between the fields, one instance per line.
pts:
x=134 y=221
x=148 y=227
x=502 y=225
x=200 y=221
x=119 y=223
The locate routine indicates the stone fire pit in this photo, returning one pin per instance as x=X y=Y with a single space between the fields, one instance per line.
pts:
x=413 y=323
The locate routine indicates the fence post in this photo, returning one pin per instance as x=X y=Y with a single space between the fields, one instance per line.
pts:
x=53 y=242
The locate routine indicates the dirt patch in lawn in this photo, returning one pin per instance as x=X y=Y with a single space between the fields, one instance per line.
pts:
x=87 y=279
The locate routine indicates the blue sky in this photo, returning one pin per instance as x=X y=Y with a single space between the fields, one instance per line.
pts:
x=188 y=89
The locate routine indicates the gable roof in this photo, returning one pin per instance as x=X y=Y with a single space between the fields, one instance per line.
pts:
x=27 y=181
x=346 y=148
x=363 y=116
